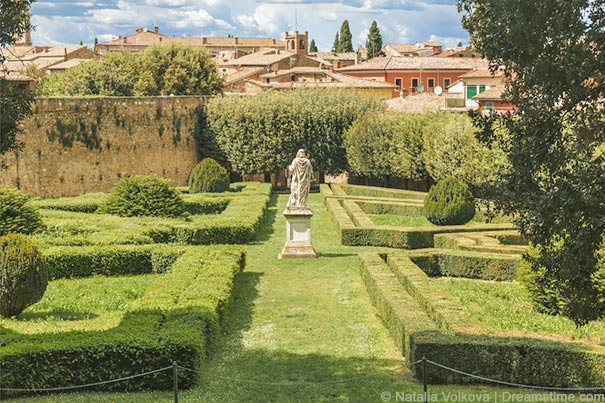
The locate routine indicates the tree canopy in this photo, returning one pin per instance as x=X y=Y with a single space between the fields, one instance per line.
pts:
x=169 y=68
x=15 y=100
x=260 y=134
x=312 y=46
x=554 y=58
x=374 y=41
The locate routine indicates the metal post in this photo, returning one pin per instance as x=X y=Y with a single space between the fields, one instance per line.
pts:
x=175 y=379
x=424 y=384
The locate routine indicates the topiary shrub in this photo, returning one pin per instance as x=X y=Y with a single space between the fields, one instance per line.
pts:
x=144 y=196
x=449 y=202
x=16 y=214
x=208 y=176
x=23 y=276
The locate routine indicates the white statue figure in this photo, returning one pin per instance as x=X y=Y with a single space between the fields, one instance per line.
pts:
x=302 y=174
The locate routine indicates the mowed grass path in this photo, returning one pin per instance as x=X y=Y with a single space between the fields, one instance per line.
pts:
x=299 y=331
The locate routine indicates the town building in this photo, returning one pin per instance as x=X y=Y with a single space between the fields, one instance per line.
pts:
x=414 y=74
x=492 y=101
x=478 y=81
x=46 y=57
x=422 y=49
x=144 y=38
x=460 y=51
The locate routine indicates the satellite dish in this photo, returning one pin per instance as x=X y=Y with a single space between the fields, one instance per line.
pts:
x=438 y=90
x=420 y=88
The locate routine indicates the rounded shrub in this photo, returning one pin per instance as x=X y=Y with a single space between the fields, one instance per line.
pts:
x=23 y=276
x=449 y=202
x=144 y=196
x=16 y=214
x=208 y=176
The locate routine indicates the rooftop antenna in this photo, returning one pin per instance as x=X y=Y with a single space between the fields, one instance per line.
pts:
x=295 y=19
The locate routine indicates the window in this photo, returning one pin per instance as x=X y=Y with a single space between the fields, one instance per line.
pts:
x=302 y=44
x=399 y=83
x=292 y=77
x=267 y=81
x=481 y=89
x=431 y=83
x=446 y=83
x=471 y=91
x=489 y=106
x=415 y=83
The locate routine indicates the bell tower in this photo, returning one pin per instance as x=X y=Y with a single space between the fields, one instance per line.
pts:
x=26 y=39
x=297 y=43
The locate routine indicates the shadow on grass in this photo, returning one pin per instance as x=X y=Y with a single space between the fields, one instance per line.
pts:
x=336 y=255
x=266 y=226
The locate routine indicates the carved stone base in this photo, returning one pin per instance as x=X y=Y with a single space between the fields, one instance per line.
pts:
x=298 y=235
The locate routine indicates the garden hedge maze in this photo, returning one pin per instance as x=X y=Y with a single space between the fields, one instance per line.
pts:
x=419 y=291
x=174 y=297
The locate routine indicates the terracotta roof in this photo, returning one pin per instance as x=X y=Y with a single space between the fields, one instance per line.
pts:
x=417 y=63
x=295 y=70
x=336 y=56
x=482 y=73
x=60 y=51
x=404 y=47
x=263 y=58
x=68 y=64
x=338 y=81
x=493 y=94
x=14 y=76
x=143 y=38
x=242 y=75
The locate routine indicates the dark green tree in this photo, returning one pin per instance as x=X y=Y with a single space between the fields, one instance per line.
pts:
x=556 y=139
x=374 y=41
x=336 y=44
x=345 y=43
x=459 y=44
x=15 y=100
x=312 y=46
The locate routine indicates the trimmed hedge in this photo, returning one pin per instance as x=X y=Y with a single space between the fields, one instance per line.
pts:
x=17 y=214
x=373 y=191
x=470 y=265
x=449 y=202
x=451 y=338
x=178 y=319
x=481 y=242
x=237 y=223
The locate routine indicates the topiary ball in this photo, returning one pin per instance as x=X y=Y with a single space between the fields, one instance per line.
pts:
x=449 y=202
x=208 y=176
x=16 y=214
x=144 y=196
x=23 y=276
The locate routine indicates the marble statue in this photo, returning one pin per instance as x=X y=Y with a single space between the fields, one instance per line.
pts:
x=302 y=175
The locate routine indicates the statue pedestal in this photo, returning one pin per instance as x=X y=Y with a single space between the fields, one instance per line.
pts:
x=298 y=235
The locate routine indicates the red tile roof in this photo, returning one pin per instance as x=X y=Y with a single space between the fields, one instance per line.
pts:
x=417 y=63
x=493 y=94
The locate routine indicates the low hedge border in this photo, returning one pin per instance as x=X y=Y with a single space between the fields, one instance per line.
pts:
x=178 y=319
x=481 y=242
x=512 y=359
x=237 y=224
x=382 y=207
x=373 y=191
x=357 y=229
x=477 y=265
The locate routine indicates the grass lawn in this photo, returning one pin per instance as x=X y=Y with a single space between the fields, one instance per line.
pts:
x=506 y=307
x=299 y=331
x=95 y=303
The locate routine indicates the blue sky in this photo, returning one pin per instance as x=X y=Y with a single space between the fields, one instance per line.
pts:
x=399 y=21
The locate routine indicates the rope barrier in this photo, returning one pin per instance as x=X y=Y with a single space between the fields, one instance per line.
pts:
x=281 y=383
x=87 y=385
x=517 y=385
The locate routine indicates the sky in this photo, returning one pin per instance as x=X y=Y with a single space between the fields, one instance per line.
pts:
x=400 y=21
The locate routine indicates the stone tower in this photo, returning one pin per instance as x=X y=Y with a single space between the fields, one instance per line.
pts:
x=297 y=43
x=26 y=39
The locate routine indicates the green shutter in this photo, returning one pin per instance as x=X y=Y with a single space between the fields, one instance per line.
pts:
x=481 y=89
x=471 y=91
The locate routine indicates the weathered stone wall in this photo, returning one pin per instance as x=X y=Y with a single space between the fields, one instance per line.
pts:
x=81 y=145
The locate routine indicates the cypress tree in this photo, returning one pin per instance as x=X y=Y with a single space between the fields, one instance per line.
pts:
x=336 y=46
x=374 y=41
x=312 y=46
x=346 y=39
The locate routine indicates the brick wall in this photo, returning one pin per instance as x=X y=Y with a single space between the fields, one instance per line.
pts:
x=81 y=145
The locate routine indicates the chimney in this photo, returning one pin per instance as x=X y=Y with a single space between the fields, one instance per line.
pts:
x=236 y=40
x=160 y=39
x=139 y=30
x=65 y=53
x=156 y=29
x=124 y=40
x=204 y=40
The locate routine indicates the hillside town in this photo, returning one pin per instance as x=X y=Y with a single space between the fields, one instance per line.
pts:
x=456 y=78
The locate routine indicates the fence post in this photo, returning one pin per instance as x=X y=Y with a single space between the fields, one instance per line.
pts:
x=424 y=384
x=175 y=379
